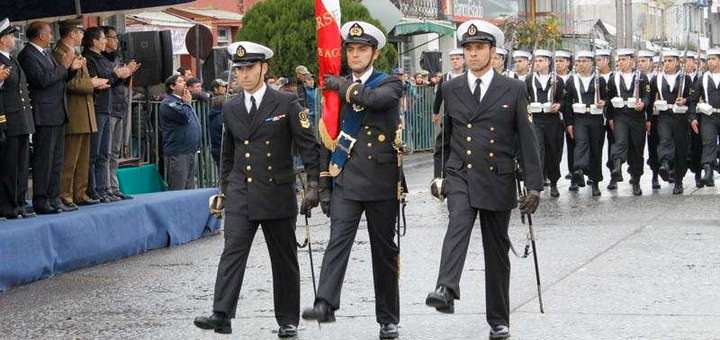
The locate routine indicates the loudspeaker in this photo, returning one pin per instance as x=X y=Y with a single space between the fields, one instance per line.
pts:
x=216 y=66
x=431 y=61
x=153 y=49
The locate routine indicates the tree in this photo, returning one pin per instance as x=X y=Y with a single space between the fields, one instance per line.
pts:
x=525 y=33
x=288 y=28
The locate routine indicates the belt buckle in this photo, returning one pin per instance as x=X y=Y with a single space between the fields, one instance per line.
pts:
x=352 y=140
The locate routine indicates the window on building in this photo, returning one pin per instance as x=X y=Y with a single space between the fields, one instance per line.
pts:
x=224 y=36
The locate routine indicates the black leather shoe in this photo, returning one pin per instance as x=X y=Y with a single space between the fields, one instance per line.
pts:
x=664 y=171
x=636 y=187
x=287 y=331
x=441 y=299
x=10 y=215
x=596 y=189
x=579 y=178
x=655 y=182
x=698 y=180
x=554 y=190
x=612 y=185
x=105 y=199
x=217 y=322
x=616 y=173
x=708 y=178
x=499 y=332
x=322 y=312
x=25 y=214
x=573 y=187
x=45 y=209
x=678 y=189
x=546 y=183
x=568 y=176
x=389 y=331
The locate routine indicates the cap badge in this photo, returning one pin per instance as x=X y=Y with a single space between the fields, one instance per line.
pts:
x=356 y=30
x=240 y=51
x=472 y=30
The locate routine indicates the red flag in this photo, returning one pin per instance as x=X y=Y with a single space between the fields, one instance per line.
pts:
x=327 y=23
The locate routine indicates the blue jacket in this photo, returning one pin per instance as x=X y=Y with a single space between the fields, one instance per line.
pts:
x=180 y=127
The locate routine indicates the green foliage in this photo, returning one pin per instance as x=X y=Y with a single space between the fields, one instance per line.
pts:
x=525 y=33
x=288 y=28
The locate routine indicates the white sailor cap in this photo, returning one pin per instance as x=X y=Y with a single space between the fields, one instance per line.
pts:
x=245 y=53
x=563 y=54
x=501 y=51
x=629 y=52
x=691 y=54
x=670 y=53
x=542 y=53
x=645 y=54
x=522 y=54
x=585 y=54
x=713 y=51
x=360 y=32
x=603 y=53
x=456 y=51
x=703 y=55
x=479 y=31
x=6 y=28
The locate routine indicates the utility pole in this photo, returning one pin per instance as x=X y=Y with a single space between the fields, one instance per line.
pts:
x=628 y=24
x=619 y=24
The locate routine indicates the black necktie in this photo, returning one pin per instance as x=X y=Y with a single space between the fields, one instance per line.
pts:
x=253 y=107
x=476 y=92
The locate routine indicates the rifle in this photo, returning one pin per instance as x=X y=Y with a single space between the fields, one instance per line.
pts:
x=553 y=76
x=530 y=240
x=681 y=87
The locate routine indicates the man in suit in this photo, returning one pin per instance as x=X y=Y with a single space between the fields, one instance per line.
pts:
x=547 y=96
x=365 y=172
x=16 y=123
x=257 y=178
x=630 y=93
x=486 y=115
x=585 y=120
x=457 y=67
x=46 y=80
x=81 y=119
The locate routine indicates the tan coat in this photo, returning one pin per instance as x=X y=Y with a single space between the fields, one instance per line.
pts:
x=79 y=97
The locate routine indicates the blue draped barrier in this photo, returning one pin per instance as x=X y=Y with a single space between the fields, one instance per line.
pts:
x=48 y=245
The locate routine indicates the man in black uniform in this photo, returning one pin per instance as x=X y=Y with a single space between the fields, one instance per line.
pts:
x=673 y=125
x=547 y=96
x=457 y=67
x=16 y=123
x=564 y=69
x=258 y=179
x=365 y=168
x=645 y=66
x=692 y=72
x=486 y=115
x=586 y=123
x=602 y=63
x=630 y=93
x=521 y=65
x=706 y=95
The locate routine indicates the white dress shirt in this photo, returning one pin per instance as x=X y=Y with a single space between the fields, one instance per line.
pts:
x=485 y=80
x=364 y=78
x=258 y=95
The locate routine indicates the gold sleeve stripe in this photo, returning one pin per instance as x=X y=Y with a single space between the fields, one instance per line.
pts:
x=3 y=119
